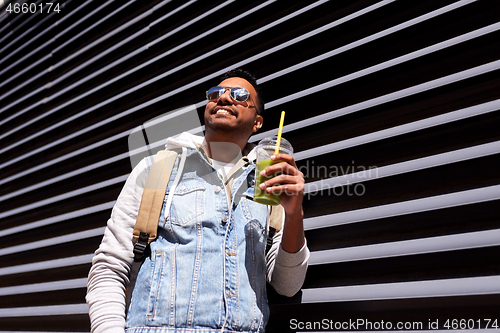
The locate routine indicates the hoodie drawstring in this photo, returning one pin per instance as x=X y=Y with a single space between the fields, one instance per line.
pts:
x=174 y=184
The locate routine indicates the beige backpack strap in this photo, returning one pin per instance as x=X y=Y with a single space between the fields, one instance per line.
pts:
x=154 y=194
x=275 y=224
x=146 y=225
x=276 y=218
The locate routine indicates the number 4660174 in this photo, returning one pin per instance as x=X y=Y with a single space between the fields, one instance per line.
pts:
x=464 y=324
x=32 y=8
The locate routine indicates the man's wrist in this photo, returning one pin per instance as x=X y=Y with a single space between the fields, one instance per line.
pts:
x=295 y=215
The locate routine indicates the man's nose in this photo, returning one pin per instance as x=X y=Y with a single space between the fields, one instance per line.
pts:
x=225 y=97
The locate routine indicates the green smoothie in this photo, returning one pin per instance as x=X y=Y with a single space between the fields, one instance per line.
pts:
x=262 y=196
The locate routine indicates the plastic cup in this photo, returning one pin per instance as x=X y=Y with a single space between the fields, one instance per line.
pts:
x=265 y=149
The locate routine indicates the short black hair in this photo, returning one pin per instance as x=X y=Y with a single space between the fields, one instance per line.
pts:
x=238 y=72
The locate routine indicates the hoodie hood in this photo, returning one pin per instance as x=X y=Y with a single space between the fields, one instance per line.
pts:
x=189 y=140
x=185 y=139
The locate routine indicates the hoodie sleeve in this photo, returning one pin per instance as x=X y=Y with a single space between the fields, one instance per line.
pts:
x=286 y=271
x=109 y=274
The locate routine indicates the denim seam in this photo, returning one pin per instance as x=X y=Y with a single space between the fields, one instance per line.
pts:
x=253 y=284
x=157 y=283
x=173 y=285
x=196 y=270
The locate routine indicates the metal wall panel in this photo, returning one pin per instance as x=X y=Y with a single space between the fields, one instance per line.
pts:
x=392 y=108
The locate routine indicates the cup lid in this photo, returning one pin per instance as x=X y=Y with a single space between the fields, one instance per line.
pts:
x=270 y=143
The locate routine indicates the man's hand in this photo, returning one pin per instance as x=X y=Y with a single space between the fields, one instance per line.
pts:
x=291 y=184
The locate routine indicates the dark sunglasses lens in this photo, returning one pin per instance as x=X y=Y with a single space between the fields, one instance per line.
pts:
x=214 y=93
x=239 y=94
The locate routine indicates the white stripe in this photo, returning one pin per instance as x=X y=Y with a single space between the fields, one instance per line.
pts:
x=75 y=54
x=402 y=129
x=154 y=146
x=58 y=218
x=349 y=77
x=53 y=241
x=65 y=176
x=30 y=79
x=475 y=71
x=64 y=196
x=59 y=79
x=49 y=264
x=58 y=36
x=371 y=38
x=20 y=27
x=43 y=287
x=389 y=63
x=449 y=157
x=358 y=176
x=470 y=240
x=477 y=195
x=57 y=23
x=134 y=70
x=108 y=50
x=64 y=157
x=28 y=30
x=173 y=71
x=434 y=288
x=330 y=115
x=94 y=59
x=406 y=166
x=171 y=115
x=118 y=136
x=108 y=35
x=16 y=18
x=475 y=33
x=77 y=35
x=52 y=310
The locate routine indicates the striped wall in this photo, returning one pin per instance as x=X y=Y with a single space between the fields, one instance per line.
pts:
x=392 y=108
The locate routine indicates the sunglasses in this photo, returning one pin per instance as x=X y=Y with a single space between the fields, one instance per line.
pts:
x=238 y=94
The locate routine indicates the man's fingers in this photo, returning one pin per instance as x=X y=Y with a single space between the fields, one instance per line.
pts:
x=285 y=158
x=281 y=167
x=289 y=189
x=283 y=180
x=290 y=181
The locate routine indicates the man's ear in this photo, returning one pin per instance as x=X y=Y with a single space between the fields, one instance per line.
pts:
x=257 y=123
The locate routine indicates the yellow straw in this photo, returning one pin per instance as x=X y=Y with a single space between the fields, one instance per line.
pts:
x=278 y=142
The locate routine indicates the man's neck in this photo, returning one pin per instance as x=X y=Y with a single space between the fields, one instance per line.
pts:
x=224 y=149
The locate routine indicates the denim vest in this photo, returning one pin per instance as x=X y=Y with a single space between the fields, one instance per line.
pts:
x=207 y=267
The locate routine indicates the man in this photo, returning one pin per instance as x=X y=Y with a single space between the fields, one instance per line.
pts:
x=208 y=267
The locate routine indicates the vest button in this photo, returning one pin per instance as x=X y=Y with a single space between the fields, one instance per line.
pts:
x=224 y=219
x=217 y=189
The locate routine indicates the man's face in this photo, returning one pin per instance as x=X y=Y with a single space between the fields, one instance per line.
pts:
x=227 y=115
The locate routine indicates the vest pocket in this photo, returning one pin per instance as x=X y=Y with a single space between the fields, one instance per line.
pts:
x=188 y=201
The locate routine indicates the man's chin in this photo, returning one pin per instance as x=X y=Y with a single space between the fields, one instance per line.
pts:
x=221 y=126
